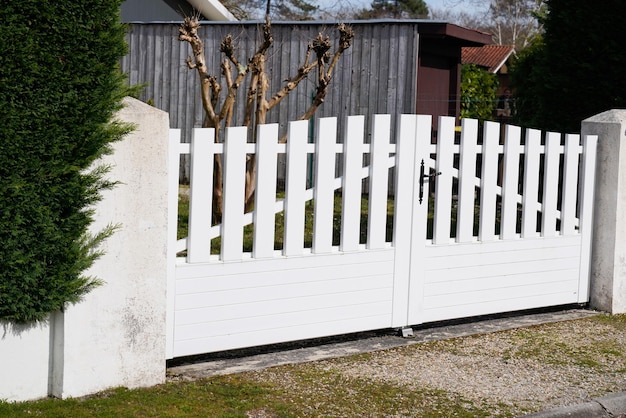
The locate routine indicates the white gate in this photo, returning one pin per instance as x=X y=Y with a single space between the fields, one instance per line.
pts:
x=477 y=228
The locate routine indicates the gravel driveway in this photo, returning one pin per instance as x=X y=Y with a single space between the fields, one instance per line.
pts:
x=514 y=365
x=537 y=368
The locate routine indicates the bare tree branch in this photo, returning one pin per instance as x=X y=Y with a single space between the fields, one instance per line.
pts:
x=346 y=35
x=188 y=32
x=257 y=103
x=293 y=82
x=321 y=46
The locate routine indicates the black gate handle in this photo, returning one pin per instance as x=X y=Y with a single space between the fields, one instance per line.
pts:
x=422 y=176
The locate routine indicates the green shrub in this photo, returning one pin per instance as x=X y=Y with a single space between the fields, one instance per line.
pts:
x=478 y=92
x=60 y=87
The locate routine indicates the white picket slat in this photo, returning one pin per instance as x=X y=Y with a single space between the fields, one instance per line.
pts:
x=295 y=186
x=379 y=174
x=488 y=182
x=404 y=204
x=234 y=186
x=467 y=177
x=352 y=184
x=443 y=180
x=587 y=194
x=531 y=183
x=570 y=184
x=326 y=138
x=265 y=193
x=201 y=195
x=549 y=213
x=510 y=181
x=423 y=131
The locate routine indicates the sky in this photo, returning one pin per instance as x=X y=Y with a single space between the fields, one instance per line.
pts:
x=468 y=6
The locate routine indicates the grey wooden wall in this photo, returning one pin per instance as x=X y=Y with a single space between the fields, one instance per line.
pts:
x=378 y=74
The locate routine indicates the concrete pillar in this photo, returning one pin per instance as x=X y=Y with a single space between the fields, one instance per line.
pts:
x=608 y=263
x=116 y=335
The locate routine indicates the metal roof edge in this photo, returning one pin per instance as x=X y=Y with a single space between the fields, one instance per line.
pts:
x=212 y=9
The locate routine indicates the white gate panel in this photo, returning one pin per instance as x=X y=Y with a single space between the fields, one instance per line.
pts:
x=256 y=301
x=471 y=279
x=517 y=268
x=510 y=249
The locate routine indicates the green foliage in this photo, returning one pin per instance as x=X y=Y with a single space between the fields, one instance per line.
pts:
x=578 y=71
x=405 y=9
x=293 y=10
x=60 y=88
x=526 y=76
x=478 y=92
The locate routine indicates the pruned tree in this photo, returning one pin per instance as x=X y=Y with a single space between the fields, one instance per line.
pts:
x=218 y=112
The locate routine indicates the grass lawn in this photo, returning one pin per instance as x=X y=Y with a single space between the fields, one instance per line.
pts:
x=241 y=396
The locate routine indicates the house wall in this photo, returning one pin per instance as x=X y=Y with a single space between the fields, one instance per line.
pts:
x=439 y=78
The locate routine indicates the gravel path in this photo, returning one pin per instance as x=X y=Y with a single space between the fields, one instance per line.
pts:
x=521 y=364
x=538 y=368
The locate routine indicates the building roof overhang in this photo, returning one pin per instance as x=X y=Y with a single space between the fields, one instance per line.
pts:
x=212 y=10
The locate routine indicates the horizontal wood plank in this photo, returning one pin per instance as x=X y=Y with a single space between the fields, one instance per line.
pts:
x=236 y=339
x=281 y=320
x=513 y=302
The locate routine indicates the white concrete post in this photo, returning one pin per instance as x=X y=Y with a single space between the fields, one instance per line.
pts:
x=116 y=335
x=608 y=263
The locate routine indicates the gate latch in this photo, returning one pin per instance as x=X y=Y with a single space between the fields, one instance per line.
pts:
x=422 y=177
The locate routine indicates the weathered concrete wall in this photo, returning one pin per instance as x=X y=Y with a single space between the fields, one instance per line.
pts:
x=116 y=335
x=608 y=264
x=24 y=361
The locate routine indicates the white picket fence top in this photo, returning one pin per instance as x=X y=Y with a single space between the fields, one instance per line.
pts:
x=517 y=216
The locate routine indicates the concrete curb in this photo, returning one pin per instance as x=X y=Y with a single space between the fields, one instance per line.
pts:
x=610 y=406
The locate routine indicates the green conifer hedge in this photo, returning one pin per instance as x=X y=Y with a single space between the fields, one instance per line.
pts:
x=59 y=88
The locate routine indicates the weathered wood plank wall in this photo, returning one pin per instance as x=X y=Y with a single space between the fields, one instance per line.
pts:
x=378 y=74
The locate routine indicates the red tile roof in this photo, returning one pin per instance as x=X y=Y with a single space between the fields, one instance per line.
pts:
x=490 y=56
